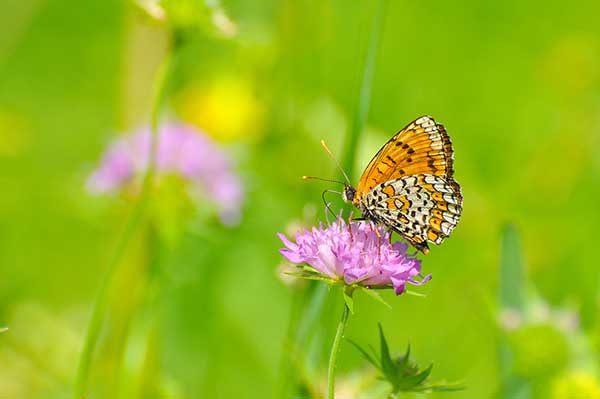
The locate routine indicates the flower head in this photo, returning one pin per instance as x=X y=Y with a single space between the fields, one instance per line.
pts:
x=357 y=253
x=181 y=151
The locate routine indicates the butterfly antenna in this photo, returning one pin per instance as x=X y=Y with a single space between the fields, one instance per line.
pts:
x=335 y=160
x=328 y=209
x=320 y=178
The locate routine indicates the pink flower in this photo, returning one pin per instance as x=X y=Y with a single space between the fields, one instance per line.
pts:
x=355 y=254
x=182 y=151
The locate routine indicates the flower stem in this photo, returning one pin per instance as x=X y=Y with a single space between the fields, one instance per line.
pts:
x=335 y=348
x=131 y=224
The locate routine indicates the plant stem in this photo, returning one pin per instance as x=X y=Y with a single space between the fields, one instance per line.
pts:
x=289 y=349
x=131 y=224
x=335 y=348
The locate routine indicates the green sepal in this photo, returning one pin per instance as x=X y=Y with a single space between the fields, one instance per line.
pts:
x=309 y=277
x=414 y=293
x=375 y=295
x=310 y=269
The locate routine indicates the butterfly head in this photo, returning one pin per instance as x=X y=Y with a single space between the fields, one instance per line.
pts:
x=348 y=193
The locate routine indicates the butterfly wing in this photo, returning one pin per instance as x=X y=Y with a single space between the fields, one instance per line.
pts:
x=421 y=208
x=422 y=147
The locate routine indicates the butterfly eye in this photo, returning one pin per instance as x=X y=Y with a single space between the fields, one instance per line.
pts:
x=349 y=193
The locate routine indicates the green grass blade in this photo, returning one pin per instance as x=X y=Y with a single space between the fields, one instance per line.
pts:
x=364 y=99
x=512 y=271
x=511 y=296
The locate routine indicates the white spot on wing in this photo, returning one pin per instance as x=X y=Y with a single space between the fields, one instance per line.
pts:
x=450 y=198
x=436 y=145
x=442 y=188
x=447 y=228
x=431 y=179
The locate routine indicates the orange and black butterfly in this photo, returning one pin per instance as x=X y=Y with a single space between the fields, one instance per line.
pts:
x=409 y=185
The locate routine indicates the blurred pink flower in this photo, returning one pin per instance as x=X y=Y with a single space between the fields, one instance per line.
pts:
x=182 y=151
x=354 y=253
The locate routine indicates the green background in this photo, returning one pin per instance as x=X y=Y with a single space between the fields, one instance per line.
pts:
x=517 y=85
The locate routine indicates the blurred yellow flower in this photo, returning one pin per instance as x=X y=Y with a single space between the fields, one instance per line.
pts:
x=226 y=109
x=14 y=134
x=574 y=385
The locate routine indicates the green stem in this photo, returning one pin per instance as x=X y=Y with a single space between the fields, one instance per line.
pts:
x=288 y=350
x=364 y=99
x=131 y=224
x=335 y=348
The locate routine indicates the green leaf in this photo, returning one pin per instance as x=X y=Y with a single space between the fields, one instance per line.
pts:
x=375 y=295
x=402 y=374
x=409 y=383
x=373 y=351
x=349 y=301
x=404 y=363
x=365 y=354
x=387 y=364
x=3 y=329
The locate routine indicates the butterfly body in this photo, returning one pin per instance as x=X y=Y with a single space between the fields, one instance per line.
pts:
x=409 y=185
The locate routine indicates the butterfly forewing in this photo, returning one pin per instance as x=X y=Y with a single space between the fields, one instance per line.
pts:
x=422 y=147
x=409 y=185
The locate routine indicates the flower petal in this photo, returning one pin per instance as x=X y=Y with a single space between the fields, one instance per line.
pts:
x=292 y=256
x=287 y=242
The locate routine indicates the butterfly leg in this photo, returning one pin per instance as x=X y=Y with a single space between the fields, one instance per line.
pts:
x=350 y=220
x=350 y=228
x=421 y=247
x=378 y=233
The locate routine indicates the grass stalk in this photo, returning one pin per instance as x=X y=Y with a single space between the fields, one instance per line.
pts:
x=131 y=224
x=361 y=110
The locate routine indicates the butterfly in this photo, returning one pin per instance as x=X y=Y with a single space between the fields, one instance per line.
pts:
x=409 y=185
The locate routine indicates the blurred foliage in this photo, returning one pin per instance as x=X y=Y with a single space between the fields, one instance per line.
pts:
x=517 y=84
x=539 y=351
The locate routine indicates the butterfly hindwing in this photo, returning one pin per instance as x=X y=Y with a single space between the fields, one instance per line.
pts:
x=421 y=208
